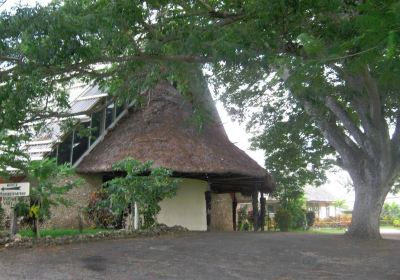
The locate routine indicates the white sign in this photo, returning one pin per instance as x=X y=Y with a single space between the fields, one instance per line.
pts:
x=14 y=189
x=10 y=202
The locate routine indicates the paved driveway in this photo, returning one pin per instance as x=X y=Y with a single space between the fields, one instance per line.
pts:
x=209 y=256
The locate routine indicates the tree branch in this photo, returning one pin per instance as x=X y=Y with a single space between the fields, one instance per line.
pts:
x=374 y=100
x=347 y=149
x=346 y=120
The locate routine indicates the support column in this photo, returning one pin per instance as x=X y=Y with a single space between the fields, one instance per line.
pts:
x=255 y=210
x=262 y=212
x=234 y=206
x=221 y=212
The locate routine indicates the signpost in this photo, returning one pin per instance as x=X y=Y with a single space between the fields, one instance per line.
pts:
x=14 y=189
x=10 y=194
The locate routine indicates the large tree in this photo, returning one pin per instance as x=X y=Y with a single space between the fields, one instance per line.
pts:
x=332 y=65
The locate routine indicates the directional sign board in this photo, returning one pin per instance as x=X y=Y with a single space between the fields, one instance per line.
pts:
x=9 y=202
x=14 y=189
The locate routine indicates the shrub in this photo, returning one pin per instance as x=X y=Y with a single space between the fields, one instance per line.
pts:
x=396 y=223
x=283 y=219
x=100 y=214
x=298 y=218
x=310 y=216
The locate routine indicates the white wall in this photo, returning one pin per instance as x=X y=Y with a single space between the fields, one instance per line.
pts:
x=187 y=208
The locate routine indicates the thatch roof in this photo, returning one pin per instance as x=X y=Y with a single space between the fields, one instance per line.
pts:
x=162 y=131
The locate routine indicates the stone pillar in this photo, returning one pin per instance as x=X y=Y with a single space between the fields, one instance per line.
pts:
x=221 y=212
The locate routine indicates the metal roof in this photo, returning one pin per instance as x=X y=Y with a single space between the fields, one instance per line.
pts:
x=44 y=140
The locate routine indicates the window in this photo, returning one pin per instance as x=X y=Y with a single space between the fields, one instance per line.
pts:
x=271 y=209
x=96 y=125
x=53 y=153
x=120 y=108
x=81 y=142
x=64 y=150
x=109 y=114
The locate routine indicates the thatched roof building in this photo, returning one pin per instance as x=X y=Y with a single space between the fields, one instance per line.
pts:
x=162 y=131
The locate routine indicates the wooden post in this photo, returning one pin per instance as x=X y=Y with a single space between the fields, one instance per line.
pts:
x=234 y=206
x=255 y=210
x=262 y=212
x=13 y=224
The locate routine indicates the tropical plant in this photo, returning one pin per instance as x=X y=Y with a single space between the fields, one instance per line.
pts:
x=283 y=219
x=99 y=212
x=390 y=213
x=142 y=184
x=49 y=183
x=310 y=217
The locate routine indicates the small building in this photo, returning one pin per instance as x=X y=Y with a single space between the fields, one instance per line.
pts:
x=318 y=199
x=321 y=201
x=160 y=129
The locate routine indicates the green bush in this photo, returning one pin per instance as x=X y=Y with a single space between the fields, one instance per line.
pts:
x=100 y=214
x=396 y=223
x=283 y=219
x=310 y=216
x=298 y=218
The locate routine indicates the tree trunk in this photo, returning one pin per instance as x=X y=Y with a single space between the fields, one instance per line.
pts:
x=366 y=212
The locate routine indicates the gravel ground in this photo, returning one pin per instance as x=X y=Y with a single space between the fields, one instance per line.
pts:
x=228 y=255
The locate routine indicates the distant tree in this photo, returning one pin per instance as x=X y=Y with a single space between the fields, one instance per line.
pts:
x=142 y=183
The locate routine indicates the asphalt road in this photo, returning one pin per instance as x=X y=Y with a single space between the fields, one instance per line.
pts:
x=209 y=256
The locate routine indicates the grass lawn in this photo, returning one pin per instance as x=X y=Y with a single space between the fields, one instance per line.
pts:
x=58 y=232
x=327 y=230
x=389 y=227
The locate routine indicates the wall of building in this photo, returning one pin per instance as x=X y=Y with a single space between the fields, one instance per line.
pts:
x=187 y=208
x=221 y=212
x=67 y=217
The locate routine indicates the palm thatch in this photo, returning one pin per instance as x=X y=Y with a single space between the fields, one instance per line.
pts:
x=162 y=131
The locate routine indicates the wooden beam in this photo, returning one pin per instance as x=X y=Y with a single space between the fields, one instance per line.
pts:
x=255 y=210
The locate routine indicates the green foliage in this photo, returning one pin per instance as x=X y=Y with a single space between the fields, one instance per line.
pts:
x=100 y=214
x=396 y=222
x=49 y=183
x=390 y=213
x=340 y=204
x=283 y=219
x=284 y=58
x=245 y=219
x=310 y=217
x=144 y=184
x=297 y=213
